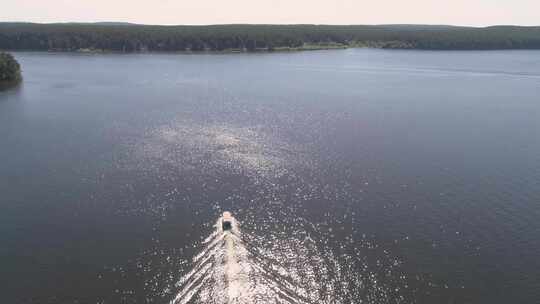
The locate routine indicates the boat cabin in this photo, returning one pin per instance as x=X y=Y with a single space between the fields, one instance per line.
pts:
x=226 y=221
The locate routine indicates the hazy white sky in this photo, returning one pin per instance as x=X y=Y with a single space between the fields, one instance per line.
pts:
x=458 y=12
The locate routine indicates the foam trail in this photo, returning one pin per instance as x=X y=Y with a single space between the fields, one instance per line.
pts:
x=236 y=277
x=227 y=272
x=235 y=267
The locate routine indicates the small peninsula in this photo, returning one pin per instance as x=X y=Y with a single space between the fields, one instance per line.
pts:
x=10 y=71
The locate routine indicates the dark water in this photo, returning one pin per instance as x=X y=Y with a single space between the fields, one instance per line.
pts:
x=358 y=176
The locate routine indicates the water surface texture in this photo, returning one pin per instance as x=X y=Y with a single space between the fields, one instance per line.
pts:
x=356 y=176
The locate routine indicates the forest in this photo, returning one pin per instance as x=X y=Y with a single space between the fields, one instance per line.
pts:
x=125 y=37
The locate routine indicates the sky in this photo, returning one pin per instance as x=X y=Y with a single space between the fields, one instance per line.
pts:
x=453 y=12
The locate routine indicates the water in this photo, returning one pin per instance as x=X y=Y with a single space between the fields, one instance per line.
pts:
x=357 y=176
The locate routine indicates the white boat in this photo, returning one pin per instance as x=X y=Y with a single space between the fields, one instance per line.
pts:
x=227 y=221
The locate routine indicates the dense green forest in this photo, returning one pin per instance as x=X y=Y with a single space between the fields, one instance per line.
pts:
x=136 y=38
x=10 y=70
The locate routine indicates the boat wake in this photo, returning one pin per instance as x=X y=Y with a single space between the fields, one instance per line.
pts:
x=236 y=267
x=226 y=271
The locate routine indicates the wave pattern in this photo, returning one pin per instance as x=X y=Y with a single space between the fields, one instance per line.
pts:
x=233 y=269
x=227 y=271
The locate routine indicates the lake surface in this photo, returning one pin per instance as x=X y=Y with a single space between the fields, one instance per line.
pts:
x=357 y=176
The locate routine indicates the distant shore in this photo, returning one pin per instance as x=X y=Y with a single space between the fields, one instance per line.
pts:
x=127 y=38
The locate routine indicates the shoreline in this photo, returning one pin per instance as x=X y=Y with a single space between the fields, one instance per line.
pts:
x=264 y=51
x=206 y=51
x=7 y=85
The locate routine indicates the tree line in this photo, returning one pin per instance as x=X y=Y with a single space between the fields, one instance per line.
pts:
x=137 y=38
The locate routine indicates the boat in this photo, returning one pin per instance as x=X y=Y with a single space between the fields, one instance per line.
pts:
x=227 y=221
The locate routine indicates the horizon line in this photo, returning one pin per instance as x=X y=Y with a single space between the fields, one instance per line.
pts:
x=290 y=24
